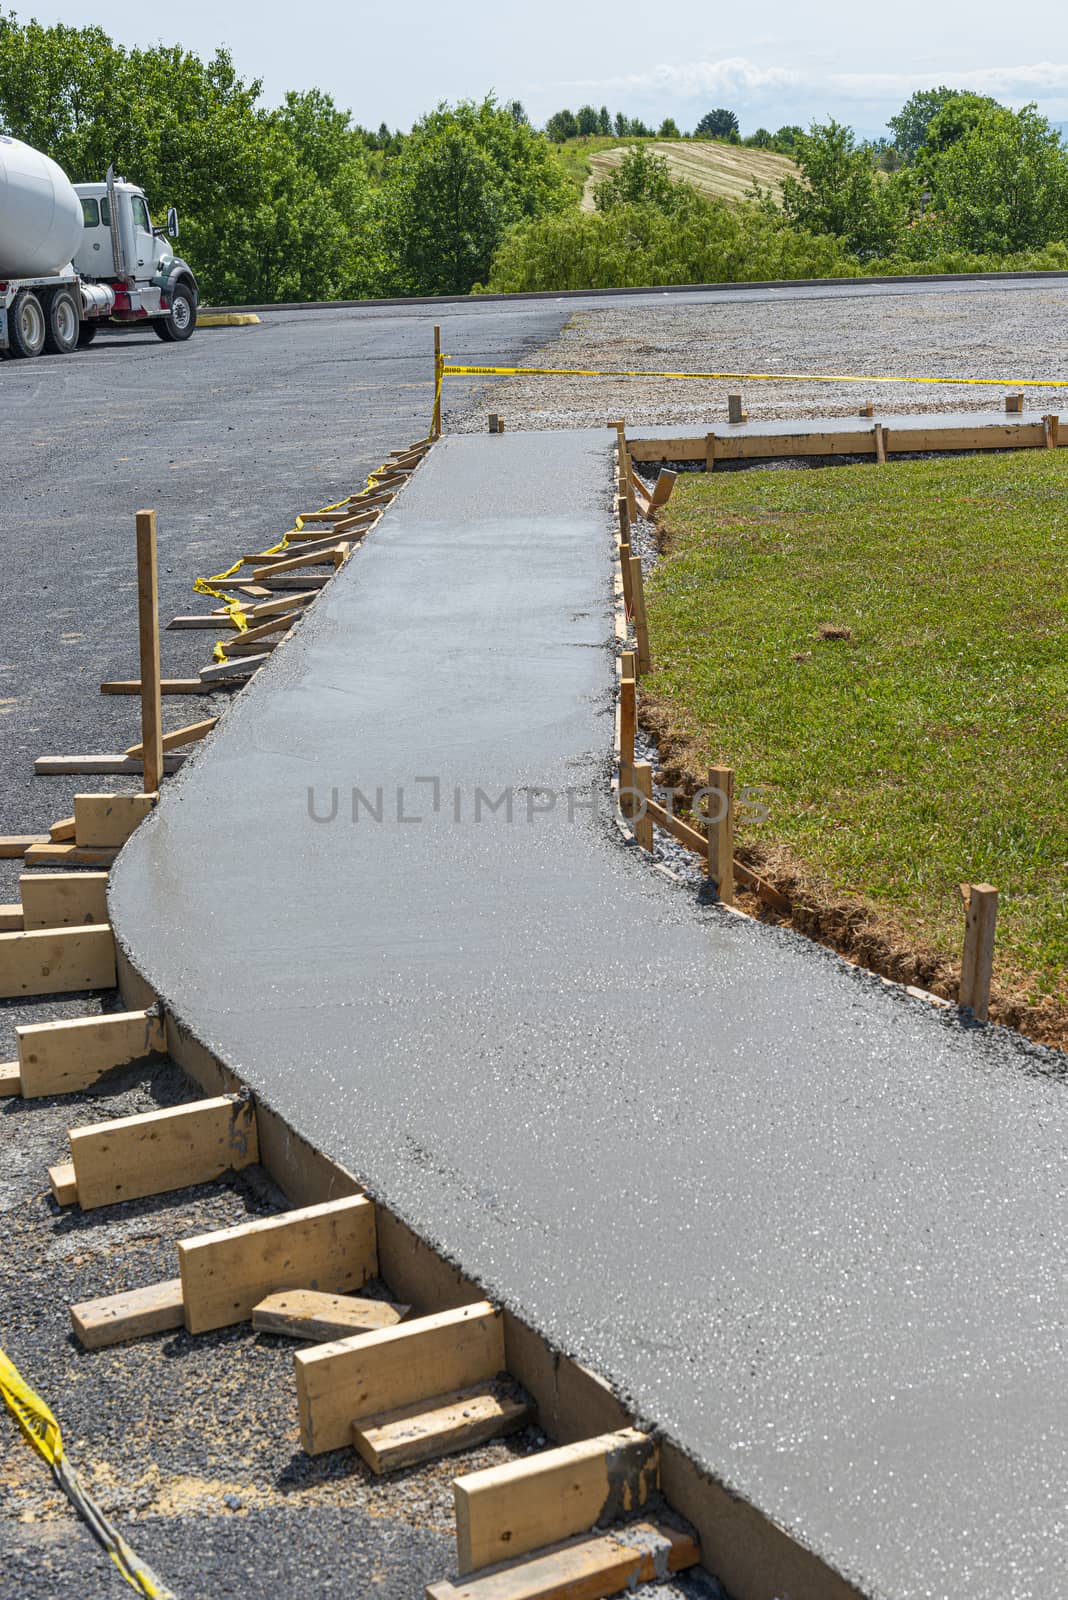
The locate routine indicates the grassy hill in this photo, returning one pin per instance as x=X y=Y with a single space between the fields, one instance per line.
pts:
x=724 y=170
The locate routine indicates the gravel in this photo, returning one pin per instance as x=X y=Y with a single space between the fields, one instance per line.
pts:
x=1006 y=333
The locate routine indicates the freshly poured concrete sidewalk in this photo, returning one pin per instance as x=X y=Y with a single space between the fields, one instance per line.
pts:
x=811 y=1228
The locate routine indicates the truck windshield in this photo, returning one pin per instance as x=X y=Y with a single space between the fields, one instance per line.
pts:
x=95 y=213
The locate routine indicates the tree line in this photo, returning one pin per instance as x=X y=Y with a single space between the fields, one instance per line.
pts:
x=299 y=201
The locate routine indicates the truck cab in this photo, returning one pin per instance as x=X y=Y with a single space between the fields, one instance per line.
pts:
x=121 y=249
x=145 y=252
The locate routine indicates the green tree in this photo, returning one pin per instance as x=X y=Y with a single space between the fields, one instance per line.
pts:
x=909 y=127
x=786 y=137
x=1003 y=184
x=760 y=140
x=586 y=120
x=561 y=125
x=621 y=125
x=669 y=129
x=719 y=124
x=604 y=121
x=710 y=241
x=841 y=193
x=467 y=174
x=642 y=178
x=953 y=120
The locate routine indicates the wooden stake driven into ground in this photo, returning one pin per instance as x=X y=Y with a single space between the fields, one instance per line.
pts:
x=642 y=777
x=148 y=629
x=538 y=1500
x=641 y=627
x=977 y=965
x=721 y=832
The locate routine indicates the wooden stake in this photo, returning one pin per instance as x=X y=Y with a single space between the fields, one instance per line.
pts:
x=628 y=705
x=643 y=825
x=641 y=627
x=710 y=452
x=526 y=1504
x=628 y=587
x=435 y=426
x=628 y=485
x=980 y=924
x=157 y=1152
x=340 y=1383
x=623 y=512
x=880 y=444
x=1051 y=425
x=584 y=1567
x=665 y=483
x=148 y=626
x=734 y=408
x=721 y=832
x=1014 y=402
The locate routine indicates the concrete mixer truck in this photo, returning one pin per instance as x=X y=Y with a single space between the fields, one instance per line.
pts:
x=76 y=256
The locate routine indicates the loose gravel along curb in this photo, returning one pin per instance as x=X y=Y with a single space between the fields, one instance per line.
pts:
x=996 y=333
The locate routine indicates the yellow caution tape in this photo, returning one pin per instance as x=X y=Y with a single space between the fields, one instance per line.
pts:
x=234 y=607
x=42 y=1430
x=755 y=377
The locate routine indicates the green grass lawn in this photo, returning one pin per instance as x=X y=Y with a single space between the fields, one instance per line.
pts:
x=928 y=748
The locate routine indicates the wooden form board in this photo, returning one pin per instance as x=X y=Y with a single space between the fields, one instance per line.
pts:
x=62 y=1057
x=310 y=1314
x=226 y=1274
x=430 y=1429
x=539 y=1500
x=56 y=961
x=10 y=1079
x=174 y=740
x=419 y=1360
x=106 y=821
x=131 y=1157
x=167 y=686
x=860 y=441
x=12 y=919
x=12 y=846
x=589 y=1567
x=68 y=855
x=130 y=1315
x=63 y=1184
x=63 y=899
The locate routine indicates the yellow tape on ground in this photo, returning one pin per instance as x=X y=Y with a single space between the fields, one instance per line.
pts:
x=234 y=606
x=42 y=1430
x=451 y=371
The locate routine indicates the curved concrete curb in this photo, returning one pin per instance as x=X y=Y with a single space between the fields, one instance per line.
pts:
x=227 y=319
x=807 y=1225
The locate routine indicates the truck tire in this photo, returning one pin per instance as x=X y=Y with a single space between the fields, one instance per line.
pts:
x=181 y=319
x=86 y=334
x=62 y=323
x=26 y=325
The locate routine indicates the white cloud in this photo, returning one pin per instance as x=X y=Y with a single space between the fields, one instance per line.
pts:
x=740 y=79
x=735 y=76
x=1004 y=83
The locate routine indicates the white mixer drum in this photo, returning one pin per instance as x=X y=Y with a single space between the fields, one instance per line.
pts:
x=40 y=214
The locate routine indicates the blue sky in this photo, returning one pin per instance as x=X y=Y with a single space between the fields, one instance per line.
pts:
x=779 y=63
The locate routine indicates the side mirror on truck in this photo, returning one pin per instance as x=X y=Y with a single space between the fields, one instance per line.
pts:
x=172 y=223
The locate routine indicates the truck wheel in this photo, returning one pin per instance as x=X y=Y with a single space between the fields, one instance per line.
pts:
x=27 y=325
x=181 y=319
x=63 y=324
x=86 y=334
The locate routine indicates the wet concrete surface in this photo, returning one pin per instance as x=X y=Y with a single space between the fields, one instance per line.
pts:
x=810 y=1226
